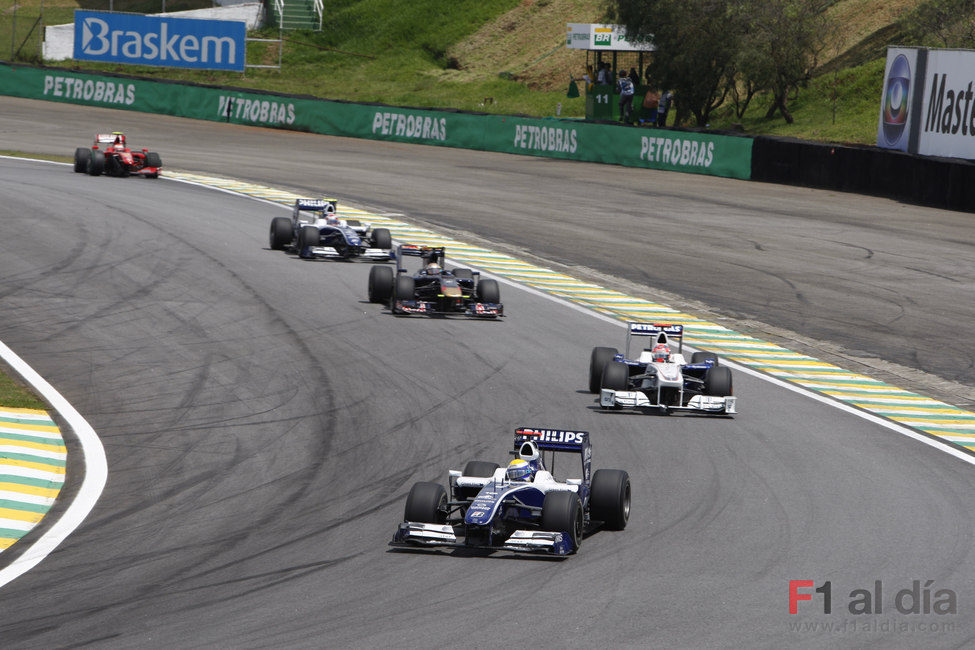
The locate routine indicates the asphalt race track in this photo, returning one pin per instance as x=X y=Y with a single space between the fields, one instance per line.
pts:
x=870 y=284
x=263 y=423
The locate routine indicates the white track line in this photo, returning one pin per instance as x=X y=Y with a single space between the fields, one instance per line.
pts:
x=96 y=471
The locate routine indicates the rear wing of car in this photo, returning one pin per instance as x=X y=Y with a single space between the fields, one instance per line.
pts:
x=556 y=440
x=328 y=206
x=109 y=138
x=662 y=333
x=432 y=254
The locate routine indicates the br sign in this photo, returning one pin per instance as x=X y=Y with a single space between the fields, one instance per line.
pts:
x=158 y=40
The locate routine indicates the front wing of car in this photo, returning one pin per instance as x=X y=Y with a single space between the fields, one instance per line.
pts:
x=520 y=541
x=368 y=253
x=475 y=309
x=610 y=398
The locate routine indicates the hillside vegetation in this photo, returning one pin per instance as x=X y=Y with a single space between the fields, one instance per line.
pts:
x=504 y=56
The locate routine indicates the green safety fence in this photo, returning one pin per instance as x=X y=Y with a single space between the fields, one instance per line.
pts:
x=701 y=153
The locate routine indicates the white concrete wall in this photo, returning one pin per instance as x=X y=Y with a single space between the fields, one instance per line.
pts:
x=59 y=39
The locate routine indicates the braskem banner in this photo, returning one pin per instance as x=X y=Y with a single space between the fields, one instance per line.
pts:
x=159 y=40
x=699 y=153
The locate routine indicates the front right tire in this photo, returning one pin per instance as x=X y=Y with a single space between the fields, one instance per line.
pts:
x=281 y=233
x=380 y=283
x=616 y=375
x=610 y=498
x=597 y=362
x=426 y=504
x=96 y=164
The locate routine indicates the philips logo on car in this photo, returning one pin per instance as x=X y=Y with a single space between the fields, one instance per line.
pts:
x=155 y=40
x=555 y=435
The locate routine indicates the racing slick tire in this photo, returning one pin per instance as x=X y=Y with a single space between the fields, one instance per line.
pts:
x=463 y=274
x=616 y=375
x=380 y=283
x=281 y=233
x=700 y=357
x=405 y=287
x=561 y=513
x=381 y=238
x=610 y=498
x=480 y=468
x=426 y=503
x=717 y=381
x=81 y=157
x=597 y=361
x=308 y=236
x=488 y=291
x=96 y=164
x=153 y=160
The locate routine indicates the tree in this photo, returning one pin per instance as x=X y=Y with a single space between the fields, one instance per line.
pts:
x=696 y=43
x=943 y=23
x=779 y=47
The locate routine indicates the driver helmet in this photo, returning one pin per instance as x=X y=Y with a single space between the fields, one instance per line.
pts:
x=661 y=353
x=520 y=470
x=433 y=267
x=331 y=219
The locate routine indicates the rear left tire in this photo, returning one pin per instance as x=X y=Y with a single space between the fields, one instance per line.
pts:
x=81 y=157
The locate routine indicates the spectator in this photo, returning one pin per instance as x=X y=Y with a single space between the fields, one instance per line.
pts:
x=651 y=103
x=601 y=77
x=625 y=88
x=634 y=77
x=666 y=99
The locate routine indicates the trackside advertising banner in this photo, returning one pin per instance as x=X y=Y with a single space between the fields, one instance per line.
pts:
x=699 y=153
x=947 y=118
x=928 y=104
x=159 y=40
x=896 y=116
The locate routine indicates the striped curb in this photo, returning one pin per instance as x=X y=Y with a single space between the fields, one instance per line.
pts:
x=944 y=421
x=32 y=464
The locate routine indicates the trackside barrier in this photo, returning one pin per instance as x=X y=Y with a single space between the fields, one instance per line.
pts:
x=700 y=153
x=947 y=183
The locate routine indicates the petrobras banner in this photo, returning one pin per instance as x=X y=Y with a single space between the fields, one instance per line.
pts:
x=159 y=40
x=947 y=118
x=595 y=36
x=900 y=80
x=686 y=151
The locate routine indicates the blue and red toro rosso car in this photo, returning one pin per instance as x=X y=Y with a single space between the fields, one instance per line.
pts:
x=434 y=289
x=521 y=507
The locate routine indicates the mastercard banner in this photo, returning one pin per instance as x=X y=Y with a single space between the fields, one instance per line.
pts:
x=946 y=120
x=900 y=84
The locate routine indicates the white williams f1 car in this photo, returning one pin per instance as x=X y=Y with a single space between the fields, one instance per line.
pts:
x=660 y=378
x=521 y=508
x=316 y=230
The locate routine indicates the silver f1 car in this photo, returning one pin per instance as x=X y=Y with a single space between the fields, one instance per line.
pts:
x=316 y=230
x=522 y=508
x=660 y=378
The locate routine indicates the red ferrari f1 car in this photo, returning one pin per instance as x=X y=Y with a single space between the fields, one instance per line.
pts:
x=110 y=155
